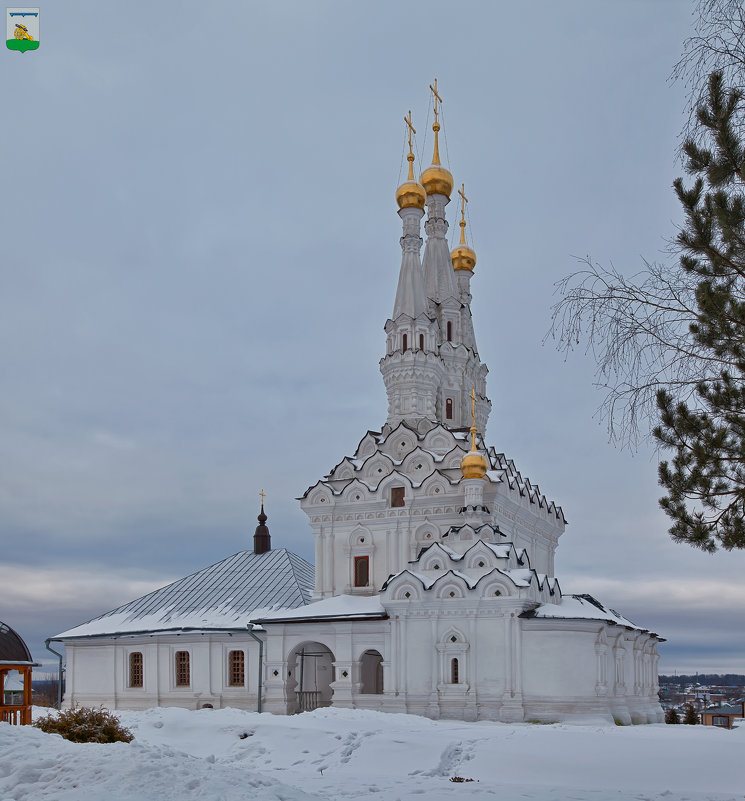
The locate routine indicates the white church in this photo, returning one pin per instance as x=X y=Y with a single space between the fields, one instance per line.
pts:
x=433 y=591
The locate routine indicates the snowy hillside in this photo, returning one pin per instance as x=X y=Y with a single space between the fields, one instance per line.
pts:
x=335 y=754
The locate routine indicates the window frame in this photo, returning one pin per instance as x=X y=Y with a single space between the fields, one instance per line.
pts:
x=135 y=672
x=359 y=562
x=236 y=668
x=182 y=668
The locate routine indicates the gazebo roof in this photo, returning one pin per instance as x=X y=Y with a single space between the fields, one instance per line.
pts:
x=13 y=650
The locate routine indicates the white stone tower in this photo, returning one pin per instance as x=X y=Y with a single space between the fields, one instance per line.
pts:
x=431 y=361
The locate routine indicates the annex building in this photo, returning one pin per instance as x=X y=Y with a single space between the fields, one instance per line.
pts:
x=434 y=589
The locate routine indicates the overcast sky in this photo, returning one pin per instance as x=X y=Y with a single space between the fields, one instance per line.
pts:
x=200 y=249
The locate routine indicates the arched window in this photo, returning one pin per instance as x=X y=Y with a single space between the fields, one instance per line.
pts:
x=236 y=669
x=450 y=331
x=405 y=343
x=449 y=409
x=361 y=571
x=135 y=669
x=183 y=677
x=421 y=341
x=454 y=671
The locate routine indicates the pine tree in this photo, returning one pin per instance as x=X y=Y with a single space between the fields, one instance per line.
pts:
x=705 y=480
x=691 y=716
x=672 y=716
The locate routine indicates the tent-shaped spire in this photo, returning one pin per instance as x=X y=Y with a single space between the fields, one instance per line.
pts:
x=411 y=298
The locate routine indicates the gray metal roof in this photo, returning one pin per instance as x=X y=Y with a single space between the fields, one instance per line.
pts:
x=224 y=595
x=13 y=649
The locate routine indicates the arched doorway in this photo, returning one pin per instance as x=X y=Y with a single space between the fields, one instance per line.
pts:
x=371 y=673
x=310 y=673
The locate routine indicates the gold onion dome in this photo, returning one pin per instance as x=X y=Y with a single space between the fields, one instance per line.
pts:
x=463 y=257
x=436 y=180
x=474 y=464
x=411 y=193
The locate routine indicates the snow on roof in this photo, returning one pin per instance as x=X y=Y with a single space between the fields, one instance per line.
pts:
x=501 y=551
x=521 y=577
x=573 y=607
x=339 y=606
x=225 y=595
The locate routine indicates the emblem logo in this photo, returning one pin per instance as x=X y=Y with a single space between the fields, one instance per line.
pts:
x=22 y=25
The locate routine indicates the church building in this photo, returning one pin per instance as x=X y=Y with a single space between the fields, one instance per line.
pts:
x=434 y=590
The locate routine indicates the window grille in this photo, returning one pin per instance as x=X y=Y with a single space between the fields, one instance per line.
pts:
x=135 y=669
x=237 y=669
x=183 y=679
x=454 y=671
x=361 y=571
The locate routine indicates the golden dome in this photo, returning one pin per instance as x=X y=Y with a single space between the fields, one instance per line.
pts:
x=436 y=180
x=463 y=257
x=411 y=193
x=474 y=465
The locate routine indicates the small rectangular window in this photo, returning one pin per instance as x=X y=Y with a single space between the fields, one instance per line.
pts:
x=720 y=720
x=183 y=678
x=405 y=343
x=449 y=409
x=361 y=571
x=135 y=669
x=236 y=669
x=421 y=341
x=397 y=496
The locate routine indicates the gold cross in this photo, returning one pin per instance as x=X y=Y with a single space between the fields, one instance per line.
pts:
x=263 y=495
x=463 y=201
x=437 y=97
x=407 y=120
x=472 y=396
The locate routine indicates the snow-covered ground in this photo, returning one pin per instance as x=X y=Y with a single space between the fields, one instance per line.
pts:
x=334 y=754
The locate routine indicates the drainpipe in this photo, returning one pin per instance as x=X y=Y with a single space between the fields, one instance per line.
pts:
x=59 y=674
x=261 y=659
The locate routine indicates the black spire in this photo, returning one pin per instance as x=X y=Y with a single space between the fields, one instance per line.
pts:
x=262 y=538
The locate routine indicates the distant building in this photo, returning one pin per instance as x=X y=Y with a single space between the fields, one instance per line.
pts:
x=723 y=715
x=434 y=590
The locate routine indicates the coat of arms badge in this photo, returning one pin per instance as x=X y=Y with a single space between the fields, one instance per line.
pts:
x=22 y=25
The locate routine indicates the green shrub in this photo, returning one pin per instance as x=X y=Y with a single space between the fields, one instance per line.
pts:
x=83 y=724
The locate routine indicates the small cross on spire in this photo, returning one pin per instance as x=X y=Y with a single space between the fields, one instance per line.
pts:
x=462 y=223
x=437 y=98
x=472 y=396
x=412 y=130
x=263 y=495
x=463 y=201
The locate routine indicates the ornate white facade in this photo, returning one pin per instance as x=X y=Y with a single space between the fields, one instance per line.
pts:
x=435 y=593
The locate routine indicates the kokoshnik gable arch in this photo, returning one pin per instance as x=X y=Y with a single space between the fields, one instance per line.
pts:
x=434 y=589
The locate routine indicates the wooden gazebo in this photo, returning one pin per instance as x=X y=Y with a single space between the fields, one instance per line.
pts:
x=14 y=655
